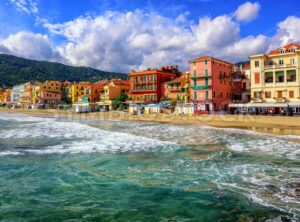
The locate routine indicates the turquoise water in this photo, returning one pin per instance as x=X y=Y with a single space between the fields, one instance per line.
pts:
x=61 y=170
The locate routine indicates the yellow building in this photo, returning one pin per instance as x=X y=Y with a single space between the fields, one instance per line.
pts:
x=2 y=91
x=81 y=92
x=7 y=95
x=112 y=90
x=275 y=77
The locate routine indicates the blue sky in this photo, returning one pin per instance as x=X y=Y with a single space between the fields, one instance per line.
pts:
x=154 y=32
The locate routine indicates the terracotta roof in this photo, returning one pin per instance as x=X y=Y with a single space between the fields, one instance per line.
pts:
x=179 y=79
x=287 y=47
x=209 y=58
x=246 y=66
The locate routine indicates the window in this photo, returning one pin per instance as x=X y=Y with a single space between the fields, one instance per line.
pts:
x=206 y=72
x=205 y=62
x=195 y=95
x=206 y=95
x=291 y=94
x=279 y=94
x=257 y=95
x=282 y=51
x=257 y=78
x=154 y=97
x=267 y=94
x=195 y=73
x=270 y=62
x=134 y=97
x=292 y=50
x=214 y=94
x=146 y=97
x=221 y=95
x=292 y=61
x=256 y=63
x=281 y=62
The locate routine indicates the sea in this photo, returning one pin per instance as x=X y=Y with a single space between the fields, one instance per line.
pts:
x=62 y=169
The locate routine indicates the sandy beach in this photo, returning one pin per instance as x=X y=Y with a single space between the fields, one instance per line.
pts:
x=283 y=125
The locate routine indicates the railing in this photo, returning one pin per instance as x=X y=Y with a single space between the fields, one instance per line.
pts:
x=280 y=66
x=201 y=87
x=200 y=77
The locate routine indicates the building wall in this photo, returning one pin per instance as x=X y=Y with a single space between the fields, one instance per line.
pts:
x=214 y=90
x=147 y=86
x=79 y=91
x=265 y=85
x=96 y=90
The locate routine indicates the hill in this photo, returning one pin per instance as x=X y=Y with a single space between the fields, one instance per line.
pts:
x=15 y=70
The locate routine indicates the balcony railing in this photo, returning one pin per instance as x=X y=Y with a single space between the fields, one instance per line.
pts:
x=280 y=66
x=201 y=87
x=201 y=77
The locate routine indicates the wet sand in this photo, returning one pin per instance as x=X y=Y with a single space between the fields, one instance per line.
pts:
x=282 y=125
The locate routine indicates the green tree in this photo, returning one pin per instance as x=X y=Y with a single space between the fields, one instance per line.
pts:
x=118 y=103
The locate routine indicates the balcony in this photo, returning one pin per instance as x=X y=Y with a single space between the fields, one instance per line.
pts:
x=201 y=77
x=280 y=66
x=201 y=87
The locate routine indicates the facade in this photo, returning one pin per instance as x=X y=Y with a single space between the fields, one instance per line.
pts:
x=81 y=92
x=97 y=90
x=66 y=92
x=241 y=83
x=177 y=89
x=147 y=86
x=2 y=91
x=112 y=90
x=275 y=77
x=7 y=95
x=16 y=92
x=211 y=84
x=49 y=93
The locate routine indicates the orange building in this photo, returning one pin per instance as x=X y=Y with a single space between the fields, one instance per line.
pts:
x=2 y=91
x=147 y=86
x=7 y=95
x=50 y=92
x=177 y=89
x=97 y=90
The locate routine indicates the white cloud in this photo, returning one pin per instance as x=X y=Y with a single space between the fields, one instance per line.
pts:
x=288 y=31
x=242 y=49
x=210 y=34
x=117 y=41
x=247 y=11
x=29 y=45
x=27 y=6
x=123 y=41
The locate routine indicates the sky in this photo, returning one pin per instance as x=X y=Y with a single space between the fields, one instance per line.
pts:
x=122 y=35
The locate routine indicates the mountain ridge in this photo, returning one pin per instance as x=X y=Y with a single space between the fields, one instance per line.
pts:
x=17 y=70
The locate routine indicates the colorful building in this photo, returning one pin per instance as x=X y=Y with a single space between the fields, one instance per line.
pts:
x=66 y=92
x=16 y=93
x=7 y=95
x=275 y=77
x=177 y=89
x=112 y=90
x=2 y=91
x=210 y=84
x=81 y=92
x=147 y=86
x=241 y=83
x=49 y=93
x=97 y=90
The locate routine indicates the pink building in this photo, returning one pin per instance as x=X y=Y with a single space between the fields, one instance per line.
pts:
x=211 y=84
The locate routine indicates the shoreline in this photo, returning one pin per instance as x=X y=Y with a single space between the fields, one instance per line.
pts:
x=279 y=125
